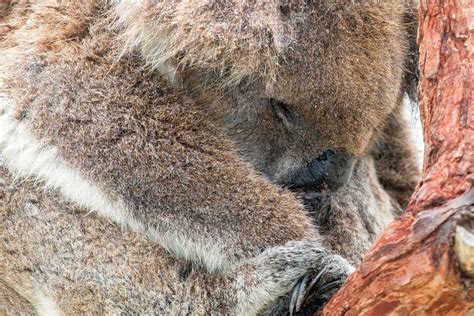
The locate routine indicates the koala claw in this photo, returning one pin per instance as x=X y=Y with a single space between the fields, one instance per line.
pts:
x=300 y=291
x=298 y=295
x=304 y=301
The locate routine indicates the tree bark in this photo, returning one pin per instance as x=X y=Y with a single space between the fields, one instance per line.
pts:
x=423 y=263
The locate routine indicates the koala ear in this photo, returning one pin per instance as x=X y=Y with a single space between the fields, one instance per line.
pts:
x=237 y=39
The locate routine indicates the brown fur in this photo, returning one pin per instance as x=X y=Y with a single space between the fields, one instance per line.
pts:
x=337 y=67
x=341 y=73
x=88 y=265
x=169 y=150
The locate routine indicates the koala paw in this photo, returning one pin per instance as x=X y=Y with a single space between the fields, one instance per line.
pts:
x=293 y=279
x=317 y=287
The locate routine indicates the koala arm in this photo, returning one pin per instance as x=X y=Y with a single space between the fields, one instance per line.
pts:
x=269 y=282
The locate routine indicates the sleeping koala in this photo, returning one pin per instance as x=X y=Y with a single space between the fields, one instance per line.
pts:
x=202 y=130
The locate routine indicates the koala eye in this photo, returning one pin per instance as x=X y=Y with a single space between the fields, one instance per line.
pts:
x=283 y=111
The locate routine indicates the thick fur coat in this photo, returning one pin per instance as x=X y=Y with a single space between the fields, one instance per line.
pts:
x=139 y=176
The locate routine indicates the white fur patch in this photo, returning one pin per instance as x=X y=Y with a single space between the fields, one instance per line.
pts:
x=27 y=157
x=45 y=305
x=412 y=115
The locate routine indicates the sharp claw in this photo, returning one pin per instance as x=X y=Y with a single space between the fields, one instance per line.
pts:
x=302 y=288
x=301 y=292
x=293 y=301
x=295 y=297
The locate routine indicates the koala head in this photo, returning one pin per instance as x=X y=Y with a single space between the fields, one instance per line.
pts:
x=302 y=87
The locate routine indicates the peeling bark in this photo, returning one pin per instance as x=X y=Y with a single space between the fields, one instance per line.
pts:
x=423 y=263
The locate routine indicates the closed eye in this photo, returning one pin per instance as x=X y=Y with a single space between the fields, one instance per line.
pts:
x=283 y=111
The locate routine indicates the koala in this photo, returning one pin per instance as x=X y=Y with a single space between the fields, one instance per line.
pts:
x=194 y=158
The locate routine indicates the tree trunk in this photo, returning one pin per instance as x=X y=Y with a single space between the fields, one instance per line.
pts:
x=423 y=263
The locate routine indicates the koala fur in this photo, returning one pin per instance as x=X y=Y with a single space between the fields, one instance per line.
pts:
x=134 y=136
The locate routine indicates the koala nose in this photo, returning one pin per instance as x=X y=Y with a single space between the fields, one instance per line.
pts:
x=328 y=172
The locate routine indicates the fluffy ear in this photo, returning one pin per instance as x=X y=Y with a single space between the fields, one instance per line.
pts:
x=235 y=38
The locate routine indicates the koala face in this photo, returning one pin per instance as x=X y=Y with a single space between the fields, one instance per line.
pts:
x=302 y=86
x=331 y=95
x=292 y=143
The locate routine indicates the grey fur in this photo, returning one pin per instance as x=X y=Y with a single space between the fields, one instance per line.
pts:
x=167 y=156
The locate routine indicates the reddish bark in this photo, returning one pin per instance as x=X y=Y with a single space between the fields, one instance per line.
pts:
x=417 y=266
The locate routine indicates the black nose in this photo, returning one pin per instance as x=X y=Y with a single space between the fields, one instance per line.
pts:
x=328 y=172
